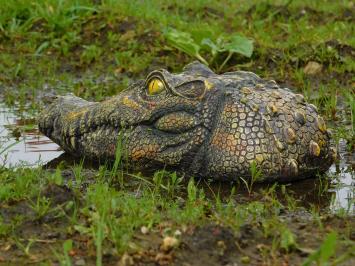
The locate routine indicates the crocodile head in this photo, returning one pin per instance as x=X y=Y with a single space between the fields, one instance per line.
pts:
x=164 y=119
x=196 y=121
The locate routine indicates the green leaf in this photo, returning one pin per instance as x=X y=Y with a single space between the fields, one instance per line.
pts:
x=68 y=245
x=239 y=44
x=42 y=47
x=206 y=42
x=199 y=34
x=288 y=240
x=325 y=251
x=184 y=42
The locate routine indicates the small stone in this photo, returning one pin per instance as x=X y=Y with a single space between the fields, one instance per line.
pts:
x=177 y=233
x=126 y=260
x=245 y=259
x=144 y=230
x=312 y=68
x=80 y=262
x=163 y=259
x=169 y=243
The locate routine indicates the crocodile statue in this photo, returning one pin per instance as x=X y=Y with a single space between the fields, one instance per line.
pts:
x=199 y=123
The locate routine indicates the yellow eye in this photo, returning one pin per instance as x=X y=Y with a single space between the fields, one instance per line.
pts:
x=155 y=86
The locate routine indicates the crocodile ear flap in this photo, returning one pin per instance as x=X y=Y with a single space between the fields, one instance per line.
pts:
x=191 y=89
x=199 y=69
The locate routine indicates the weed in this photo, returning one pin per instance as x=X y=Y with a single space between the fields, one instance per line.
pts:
x=5 y=229
x=288 y=239
x=64 y=258
x=256 y=175
x=118 y=159
x=41 y=206
x=201 y=41
x=24 y=247
x=325 y=251
x=91 y=53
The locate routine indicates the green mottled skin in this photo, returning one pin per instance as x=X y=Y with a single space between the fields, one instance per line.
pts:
x=202 y=124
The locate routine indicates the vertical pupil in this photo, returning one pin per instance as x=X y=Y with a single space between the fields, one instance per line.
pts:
x=155 y=86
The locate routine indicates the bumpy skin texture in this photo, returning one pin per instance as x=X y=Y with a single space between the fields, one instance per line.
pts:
x=201 y=123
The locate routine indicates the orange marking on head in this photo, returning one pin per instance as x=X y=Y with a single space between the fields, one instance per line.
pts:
x=75 y=114
x=130 y=103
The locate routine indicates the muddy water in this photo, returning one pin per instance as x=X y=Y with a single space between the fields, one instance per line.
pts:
x=20 y=141
x=22 y=144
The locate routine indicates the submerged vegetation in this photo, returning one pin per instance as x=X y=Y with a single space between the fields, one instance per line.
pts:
x=76 y=214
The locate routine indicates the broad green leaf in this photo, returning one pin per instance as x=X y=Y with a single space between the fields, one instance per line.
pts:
x=239 y=44
x=199 y=34
x=184 y=42
x=206 y=42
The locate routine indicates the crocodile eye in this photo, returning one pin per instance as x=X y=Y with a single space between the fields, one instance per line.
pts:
x=155 y=86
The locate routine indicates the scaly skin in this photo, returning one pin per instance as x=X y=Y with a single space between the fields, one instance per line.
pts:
x=201 y=123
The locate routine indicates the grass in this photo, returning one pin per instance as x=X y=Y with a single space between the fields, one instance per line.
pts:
x=109 y=219
x=95 y=49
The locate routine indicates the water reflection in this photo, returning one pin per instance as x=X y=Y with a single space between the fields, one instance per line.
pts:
x=343 y=184
x=20 y=141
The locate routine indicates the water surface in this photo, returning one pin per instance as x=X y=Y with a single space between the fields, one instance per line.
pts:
x=20 y=141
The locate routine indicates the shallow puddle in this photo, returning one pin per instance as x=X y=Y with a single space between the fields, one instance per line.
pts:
x=22 y=144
